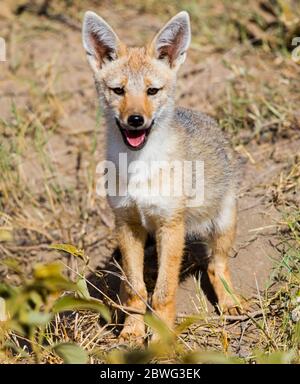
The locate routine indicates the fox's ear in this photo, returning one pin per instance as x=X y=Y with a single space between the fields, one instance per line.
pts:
x=173 y=40
x=99 y=40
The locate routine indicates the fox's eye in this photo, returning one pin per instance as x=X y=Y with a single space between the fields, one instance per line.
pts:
x=152 y=91
x=118 y=91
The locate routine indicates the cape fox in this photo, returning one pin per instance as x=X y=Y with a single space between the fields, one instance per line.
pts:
x=136 y=88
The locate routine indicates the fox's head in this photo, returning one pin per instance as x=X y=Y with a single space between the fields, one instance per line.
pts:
x=136 y=85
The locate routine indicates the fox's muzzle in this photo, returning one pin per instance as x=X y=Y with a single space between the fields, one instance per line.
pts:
x=134 y=135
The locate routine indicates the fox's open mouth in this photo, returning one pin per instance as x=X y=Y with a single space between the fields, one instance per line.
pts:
x=135 y=139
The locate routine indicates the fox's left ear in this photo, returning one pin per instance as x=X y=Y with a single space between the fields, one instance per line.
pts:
x=173 y=40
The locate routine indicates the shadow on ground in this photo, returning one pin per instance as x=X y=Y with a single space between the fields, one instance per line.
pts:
x=108 y=278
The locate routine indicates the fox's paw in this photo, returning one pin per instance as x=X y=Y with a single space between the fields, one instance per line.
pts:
x=233 y=306
x=133 y=331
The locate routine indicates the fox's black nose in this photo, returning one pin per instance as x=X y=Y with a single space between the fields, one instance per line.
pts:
x=135 y=121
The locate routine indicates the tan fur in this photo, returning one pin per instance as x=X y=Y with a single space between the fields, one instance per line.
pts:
x=131 y=238
x=135 y=105
x=170 y=243
x=137 y=58
x=176 y=134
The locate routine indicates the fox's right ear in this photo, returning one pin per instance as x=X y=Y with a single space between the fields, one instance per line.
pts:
x=99 y=40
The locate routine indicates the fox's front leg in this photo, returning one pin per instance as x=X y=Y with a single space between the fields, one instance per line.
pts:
x=131 y=238
x=170 y=244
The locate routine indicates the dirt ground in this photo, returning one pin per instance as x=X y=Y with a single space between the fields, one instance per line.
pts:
x=56 y=138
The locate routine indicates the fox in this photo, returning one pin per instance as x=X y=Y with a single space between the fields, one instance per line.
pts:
x=136 y=88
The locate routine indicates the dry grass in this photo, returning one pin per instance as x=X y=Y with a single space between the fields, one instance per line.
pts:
x=47 y=167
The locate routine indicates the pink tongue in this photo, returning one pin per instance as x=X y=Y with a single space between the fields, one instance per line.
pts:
x=135 y=138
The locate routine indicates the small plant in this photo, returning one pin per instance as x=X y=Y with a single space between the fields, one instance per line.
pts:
x=31 y=306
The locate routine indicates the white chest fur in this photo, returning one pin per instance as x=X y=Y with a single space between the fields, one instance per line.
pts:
x=139 y=172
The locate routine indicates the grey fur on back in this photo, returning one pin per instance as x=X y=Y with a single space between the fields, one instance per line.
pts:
x=205 y=138
x=204 y=141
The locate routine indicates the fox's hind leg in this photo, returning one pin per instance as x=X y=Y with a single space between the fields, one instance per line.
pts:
x=131 y=238
x=221 y=243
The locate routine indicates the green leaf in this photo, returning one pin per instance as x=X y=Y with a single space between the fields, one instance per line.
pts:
x=71 y=303
x=12 y=264
x=50 y=276
x=8 y=291
x=230 y=292
x=36 y=299
x=43 y=271
x=83 y=289
x=186 y=323
x=278 y=357
x=71 y=353
x=160 y=327
x=35 y=318
x=210 y=357
x=69 y=248
x=6 y=234
x=54 y=284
